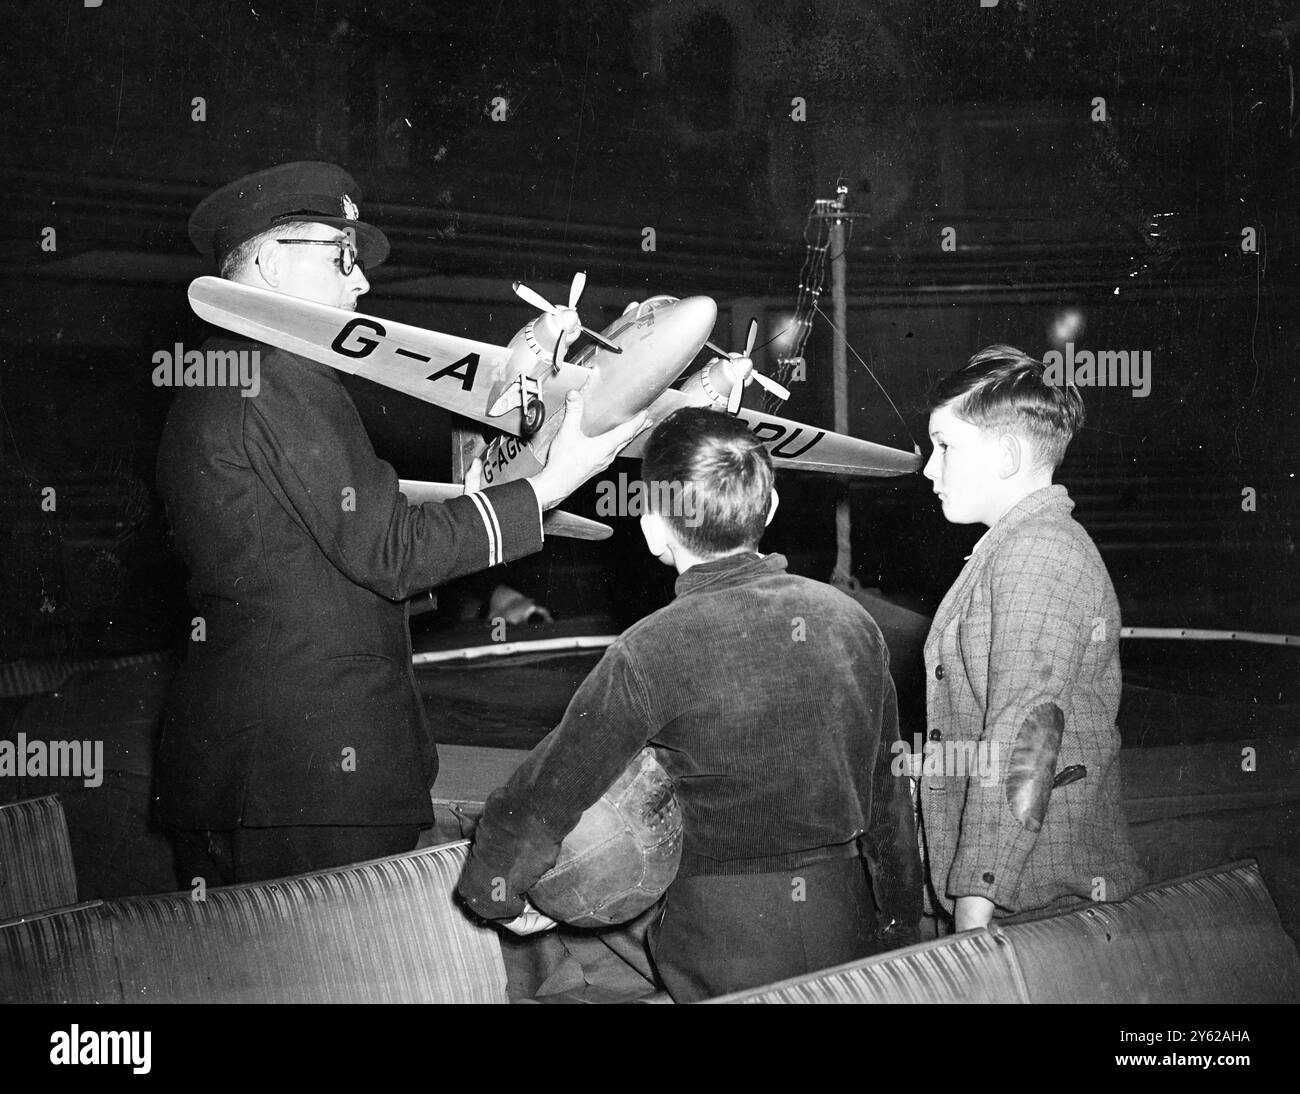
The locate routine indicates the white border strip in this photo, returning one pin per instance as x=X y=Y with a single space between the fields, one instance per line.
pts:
x=504 y=649
x=1192 y=634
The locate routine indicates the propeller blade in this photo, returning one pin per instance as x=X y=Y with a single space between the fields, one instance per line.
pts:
x=601 y=340
x=575 y=290
x=733 y=399
x=534 y=298
x=772 y=386
x=750 y=338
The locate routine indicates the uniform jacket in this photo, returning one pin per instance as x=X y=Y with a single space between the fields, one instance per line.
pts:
x=768 y=700
x=296 y=703
x=1023 y=657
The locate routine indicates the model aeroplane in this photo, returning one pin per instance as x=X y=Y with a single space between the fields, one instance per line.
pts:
x=519 y=390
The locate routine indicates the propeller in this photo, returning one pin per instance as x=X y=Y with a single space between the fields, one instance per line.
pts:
x=570 y=324
x=738 y=387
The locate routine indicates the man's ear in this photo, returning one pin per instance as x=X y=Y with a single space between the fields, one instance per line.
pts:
x=268 y=262
x=771 y=511
x=1012 y=454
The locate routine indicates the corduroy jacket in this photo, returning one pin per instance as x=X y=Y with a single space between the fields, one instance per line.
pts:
x=296 y=702
x=768 y=700
x=1023 y=682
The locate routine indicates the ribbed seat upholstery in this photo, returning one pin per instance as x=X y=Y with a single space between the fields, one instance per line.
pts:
x=1213 y=937
x=36 y=869
x=58 y=956
x=973 y=969
x=386 y=931
x=389 y=931
x=382 y=932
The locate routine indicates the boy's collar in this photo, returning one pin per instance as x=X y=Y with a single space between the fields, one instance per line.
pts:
x=1053 y=496
x=720 y=569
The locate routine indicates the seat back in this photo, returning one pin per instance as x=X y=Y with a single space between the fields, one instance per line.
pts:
x=36 y=871
x=975 y=968
x=386 y=931
x=1211 y=937
x=63 y=955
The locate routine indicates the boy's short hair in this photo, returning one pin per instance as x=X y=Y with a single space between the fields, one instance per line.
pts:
x=1003 y=388
x=710 y=479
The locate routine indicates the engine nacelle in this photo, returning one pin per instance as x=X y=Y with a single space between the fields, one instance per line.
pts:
x=535 y=344
x=712 y=385
x=532 y=354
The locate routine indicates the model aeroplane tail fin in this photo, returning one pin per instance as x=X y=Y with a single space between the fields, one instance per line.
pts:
x=555 y=523
x=559 y=523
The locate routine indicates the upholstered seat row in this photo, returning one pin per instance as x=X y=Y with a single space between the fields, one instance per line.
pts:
x=391 y=931
x=385 y=931
x=1212 y=937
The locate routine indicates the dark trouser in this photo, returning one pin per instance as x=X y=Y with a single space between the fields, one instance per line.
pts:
x=724 y=933
x=237 y=855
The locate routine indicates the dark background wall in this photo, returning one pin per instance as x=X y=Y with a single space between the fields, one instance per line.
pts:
x=624 y=115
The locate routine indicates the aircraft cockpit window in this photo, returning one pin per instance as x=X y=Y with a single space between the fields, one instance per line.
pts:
x=583 y=350
x=649 y=305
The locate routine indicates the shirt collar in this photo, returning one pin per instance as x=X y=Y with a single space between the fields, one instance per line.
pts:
x=728 y=570
x=978 y=544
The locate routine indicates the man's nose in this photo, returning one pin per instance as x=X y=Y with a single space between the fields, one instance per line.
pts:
x=358 y=277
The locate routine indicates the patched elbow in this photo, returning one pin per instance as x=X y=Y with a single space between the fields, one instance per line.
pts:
x=1033 y=764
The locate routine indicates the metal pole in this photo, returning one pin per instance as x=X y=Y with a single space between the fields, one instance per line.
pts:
x=840 y=363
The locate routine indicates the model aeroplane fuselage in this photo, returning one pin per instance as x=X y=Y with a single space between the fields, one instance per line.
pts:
x=656 y=340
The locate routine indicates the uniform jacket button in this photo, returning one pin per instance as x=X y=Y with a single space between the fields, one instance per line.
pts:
x=988 y=879
x=938 y=672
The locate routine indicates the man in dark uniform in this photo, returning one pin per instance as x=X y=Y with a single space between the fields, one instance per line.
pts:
x=294 y=738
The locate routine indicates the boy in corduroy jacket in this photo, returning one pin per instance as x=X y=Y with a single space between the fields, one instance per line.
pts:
x=767 y=698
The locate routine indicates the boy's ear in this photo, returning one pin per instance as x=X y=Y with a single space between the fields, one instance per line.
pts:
x=1013 y=454
x=655 y=532
x=771 y=510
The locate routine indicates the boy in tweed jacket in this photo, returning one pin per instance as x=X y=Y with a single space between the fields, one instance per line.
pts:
x=1022 y=662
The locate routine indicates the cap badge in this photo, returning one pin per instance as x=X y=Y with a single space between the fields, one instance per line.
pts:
x=350 y=210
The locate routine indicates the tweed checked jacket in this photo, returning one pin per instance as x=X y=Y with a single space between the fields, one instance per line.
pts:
x=1022 y=662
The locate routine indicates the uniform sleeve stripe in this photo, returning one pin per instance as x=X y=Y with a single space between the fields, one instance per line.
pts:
x=496 y=527
x=489 y=518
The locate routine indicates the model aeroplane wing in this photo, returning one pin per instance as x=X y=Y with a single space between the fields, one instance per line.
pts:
x=554 y=523
x=458 y=374
x=803 y=447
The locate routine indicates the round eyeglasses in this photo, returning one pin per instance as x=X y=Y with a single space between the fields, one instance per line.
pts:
x=347 y=253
